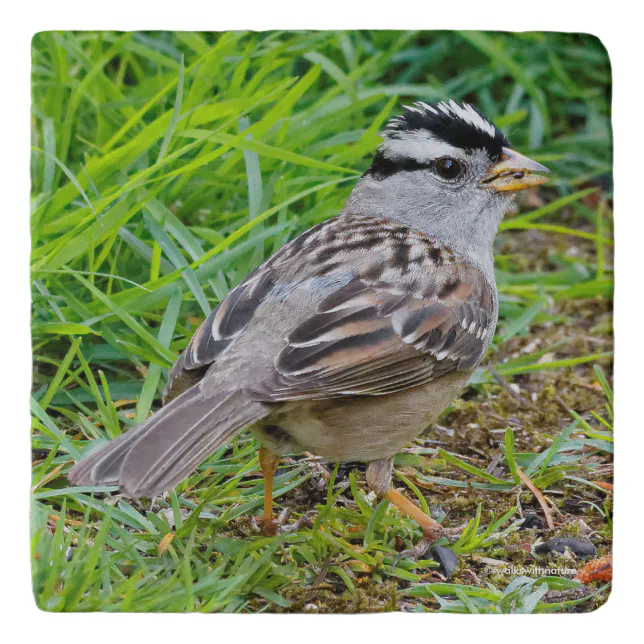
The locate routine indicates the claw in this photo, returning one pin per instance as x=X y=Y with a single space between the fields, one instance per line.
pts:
x=416 y=552
x=452 y=534
x=430 y=536
x=296 y=525
x=276 y=526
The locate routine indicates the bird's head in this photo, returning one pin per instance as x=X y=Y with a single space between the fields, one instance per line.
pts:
x=456 y=148
x=445 y=168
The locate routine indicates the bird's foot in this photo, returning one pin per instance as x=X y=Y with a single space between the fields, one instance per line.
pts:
x=273 y=526
x=296 y=525
x=429 y=537
x=452 y=534
x=270 y=526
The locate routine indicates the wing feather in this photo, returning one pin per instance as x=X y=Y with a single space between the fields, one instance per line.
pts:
x=376 y=338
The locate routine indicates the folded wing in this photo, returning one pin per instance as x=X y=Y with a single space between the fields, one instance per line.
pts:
x=418 y=314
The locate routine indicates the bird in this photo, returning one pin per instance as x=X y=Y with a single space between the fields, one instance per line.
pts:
x=355 y=336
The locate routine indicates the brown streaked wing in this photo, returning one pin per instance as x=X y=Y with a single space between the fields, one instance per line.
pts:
x=372 y=338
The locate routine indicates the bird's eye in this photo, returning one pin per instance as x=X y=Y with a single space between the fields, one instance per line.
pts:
x=448 y=168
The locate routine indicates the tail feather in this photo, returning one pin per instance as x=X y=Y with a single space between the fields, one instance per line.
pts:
x=163 y=450
x=102 y=466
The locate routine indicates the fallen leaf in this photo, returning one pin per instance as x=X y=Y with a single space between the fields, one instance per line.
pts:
x=605 y=486
x=165 y=542
x=596 y=570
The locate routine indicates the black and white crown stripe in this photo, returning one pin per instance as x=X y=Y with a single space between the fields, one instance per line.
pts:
x=428 y=131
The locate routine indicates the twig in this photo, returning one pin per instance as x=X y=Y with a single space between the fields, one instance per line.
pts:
x=506 y=385
x=542 y=502
x=319 y=578
x=493 y=463
x=318 y=466
x=563 y=405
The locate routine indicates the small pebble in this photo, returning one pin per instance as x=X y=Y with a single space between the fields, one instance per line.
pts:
x=584 y=528
x=579 y=547
x=447 y=561
x=532 y=520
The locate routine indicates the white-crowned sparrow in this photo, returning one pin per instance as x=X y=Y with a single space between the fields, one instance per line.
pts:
x=356 y=335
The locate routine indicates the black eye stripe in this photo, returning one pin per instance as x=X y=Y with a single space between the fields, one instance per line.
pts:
x=383 y=167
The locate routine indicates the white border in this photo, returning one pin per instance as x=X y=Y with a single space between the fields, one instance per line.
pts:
x=621 y=35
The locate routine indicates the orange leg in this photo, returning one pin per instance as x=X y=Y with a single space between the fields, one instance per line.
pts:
x=431 y=528
x=268 y=464
x=379 y=480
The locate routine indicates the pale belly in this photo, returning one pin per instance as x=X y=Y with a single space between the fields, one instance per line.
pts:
x=364 y=428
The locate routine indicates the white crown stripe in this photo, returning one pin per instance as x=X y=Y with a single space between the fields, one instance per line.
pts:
x=421 y=148
x=469 y=114
x=427 y=107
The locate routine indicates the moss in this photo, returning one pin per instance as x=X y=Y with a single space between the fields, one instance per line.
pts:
x=368 y=597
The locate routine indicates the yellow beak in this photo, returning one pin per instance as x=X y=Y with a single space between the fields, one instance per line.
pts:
x=513 y=172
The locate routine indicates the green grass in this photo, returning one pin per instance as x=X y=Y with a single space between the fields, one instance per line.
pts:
x=165 y=167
